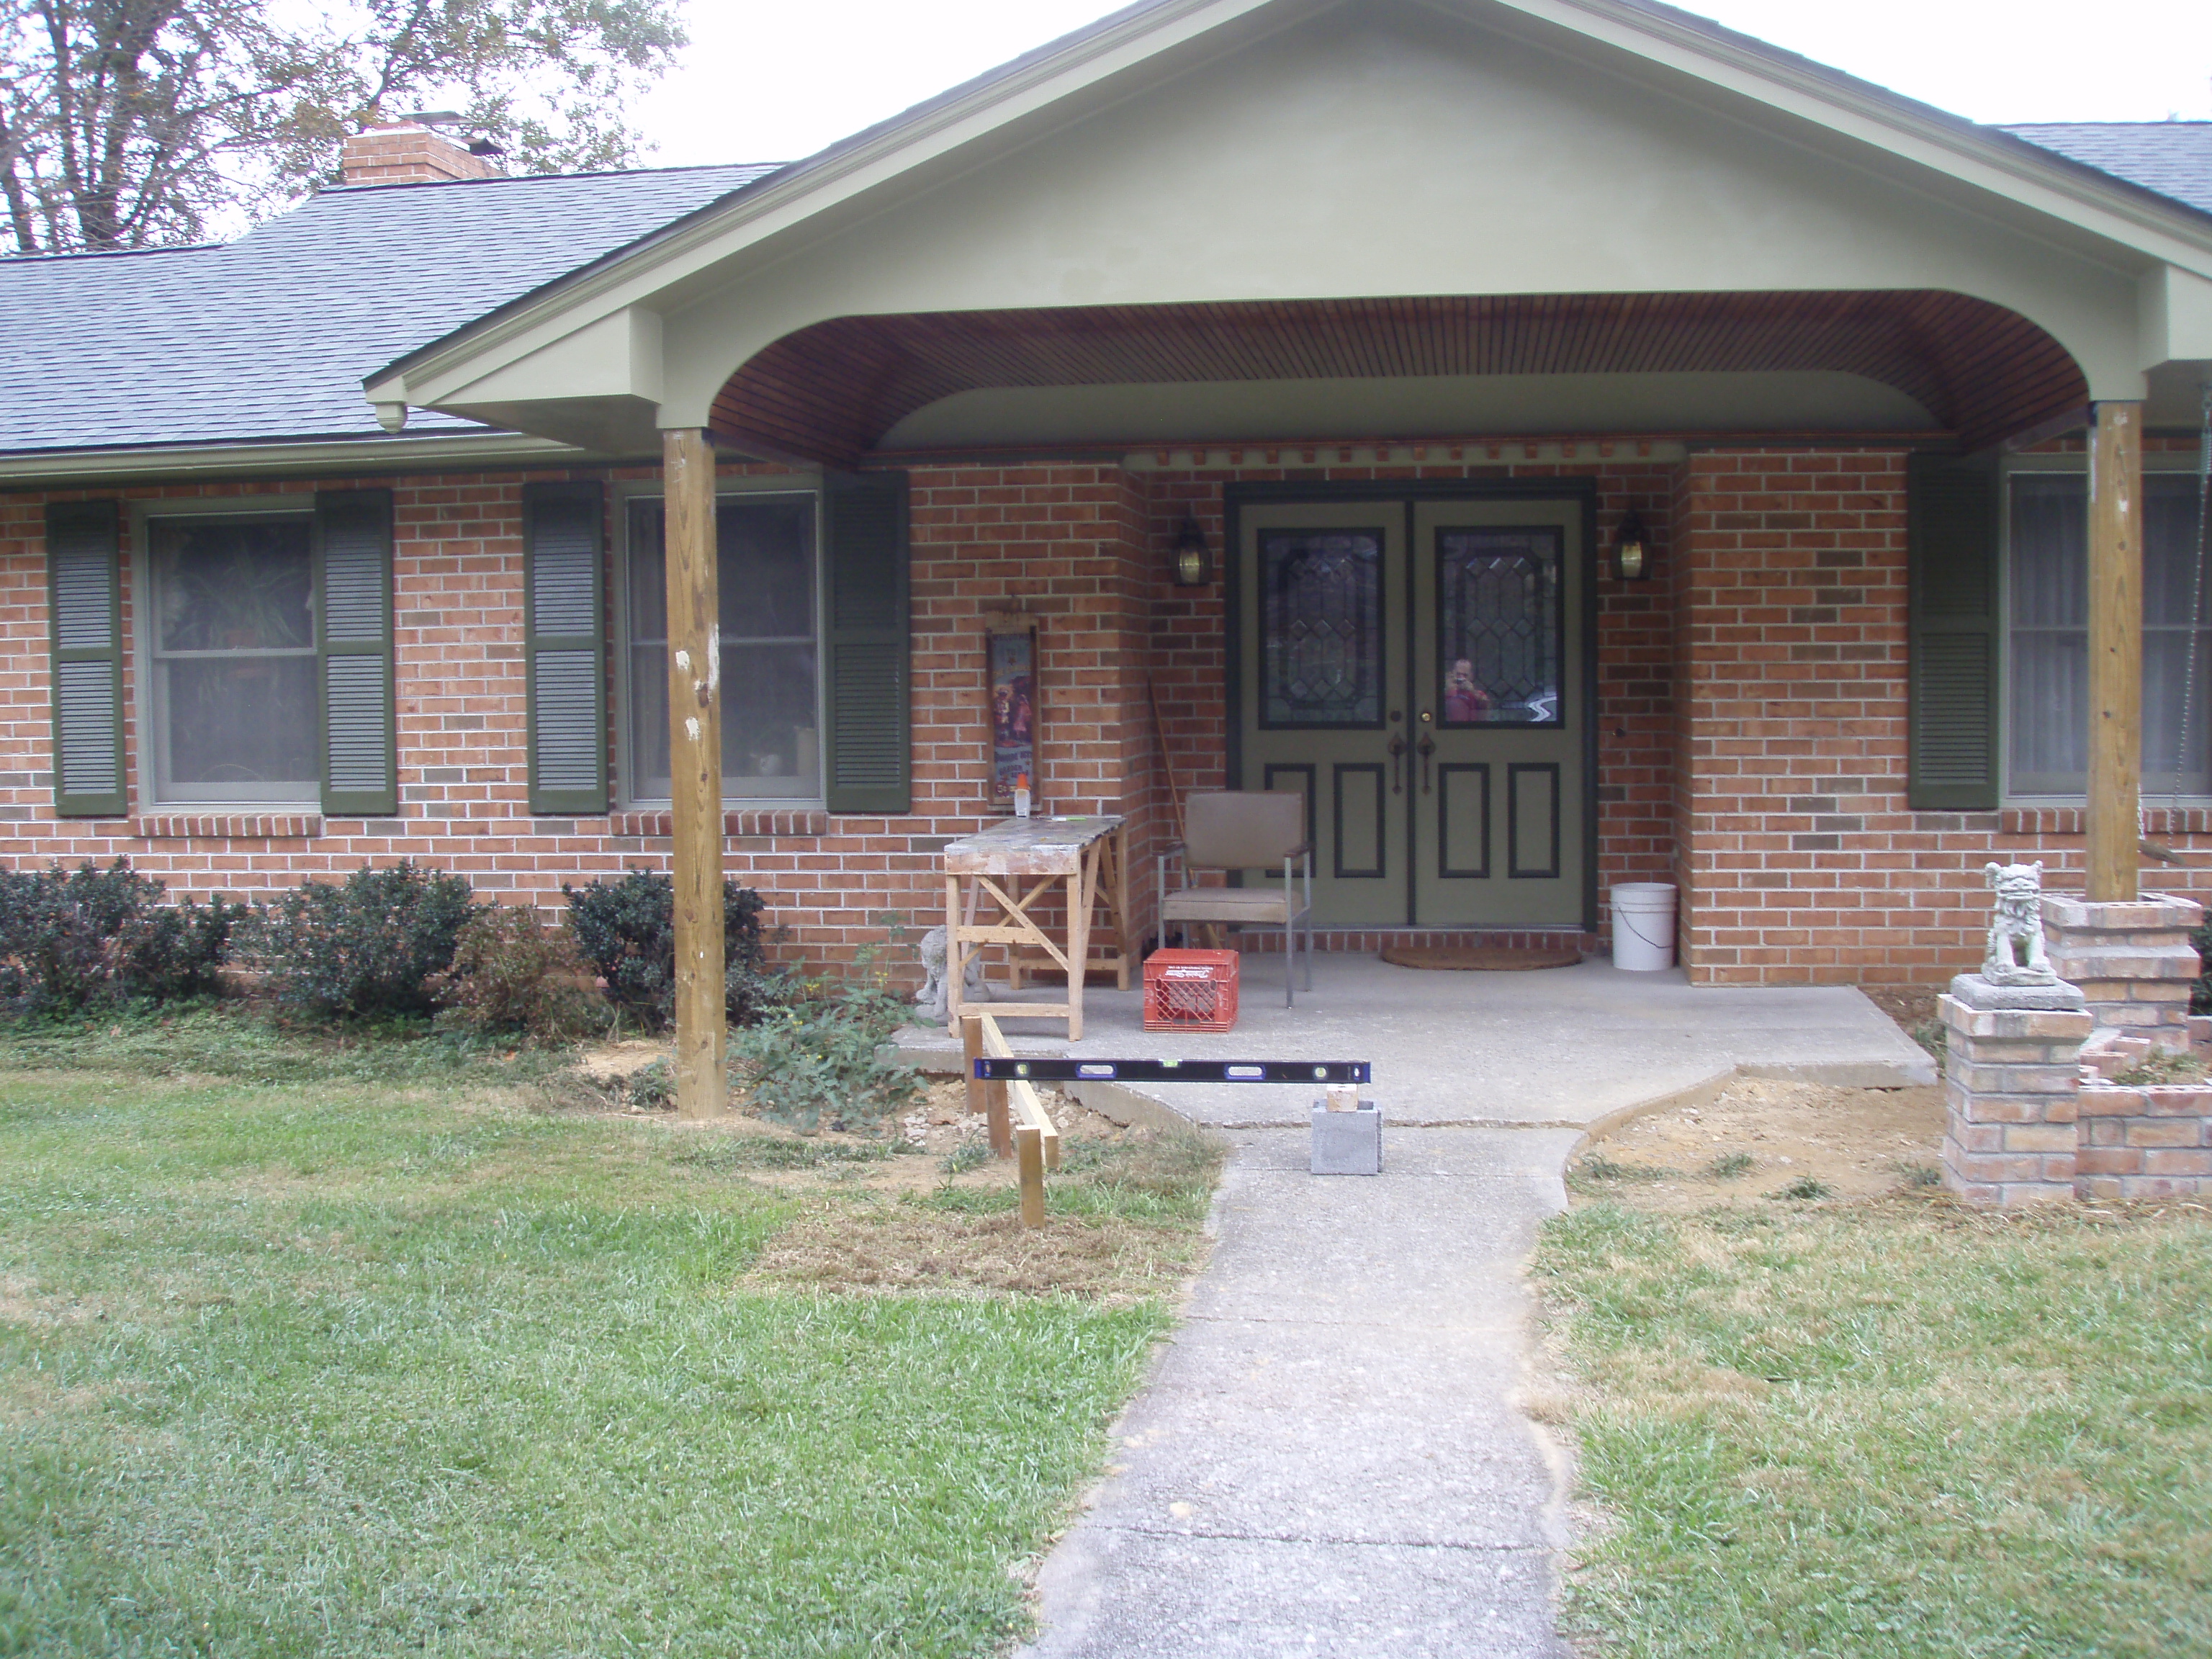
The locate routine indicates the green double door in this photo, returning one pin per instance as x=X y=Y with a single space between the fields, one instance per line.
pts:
x=1414 y=668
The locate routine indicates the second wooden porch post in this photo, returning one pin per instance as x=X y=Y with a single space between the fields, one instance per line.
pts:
x=694 y=760
x=2116 y=623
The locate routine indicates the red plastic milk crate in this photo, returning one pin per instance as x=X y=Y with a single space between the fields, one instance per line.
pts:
x=1190 y=990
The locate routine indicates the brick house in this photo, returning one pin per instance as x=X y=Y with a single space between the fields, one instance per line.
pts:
x=1609 y=448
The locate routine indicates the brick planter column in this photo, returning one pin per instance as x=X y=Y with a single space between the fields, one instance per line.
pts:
x=2010 y=1075
x=2133 y=960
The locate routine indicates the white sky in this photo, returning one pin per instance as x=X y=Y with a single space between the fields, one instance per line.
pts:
x=773 y=82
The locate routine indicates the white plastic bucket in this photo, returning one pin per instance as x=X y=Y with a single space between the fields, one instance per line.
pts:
x=1643 y=926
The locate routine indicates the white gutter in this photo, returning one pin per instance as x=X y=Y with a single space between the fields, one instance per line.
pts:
x=74 y=466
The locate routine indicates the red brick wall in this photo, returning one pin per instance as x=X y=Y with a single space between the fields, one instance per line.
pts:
x=1063 y=543
x=1798 y=857
x=1751 y=712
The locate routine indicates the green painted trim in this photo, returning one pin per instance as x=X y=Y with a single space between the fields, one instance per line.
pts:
x=96 y=523
x=1953 y=646
x=370 y=510
x=872 y=648
x=546 y=498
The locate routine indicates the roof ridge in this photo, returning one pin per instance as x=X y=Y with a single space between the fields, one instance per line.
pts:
x=8 y=259
x=547 y=178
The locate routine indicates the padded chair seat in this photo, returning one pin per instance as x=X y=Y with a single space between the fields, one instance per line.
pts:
x=1234 y=905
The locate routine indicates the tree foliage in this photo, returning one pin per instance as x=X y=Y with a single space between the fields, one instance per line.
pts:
x=130 y=124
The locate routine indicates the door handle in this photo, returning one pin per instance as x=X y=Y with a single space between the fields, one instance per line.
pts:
x=1397 y=764
x=1427 y=747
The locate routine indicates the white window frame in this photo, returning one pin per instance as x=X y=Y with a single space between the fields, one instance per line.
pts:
x=2163 y=461
x=792 y=484
x=153 y=736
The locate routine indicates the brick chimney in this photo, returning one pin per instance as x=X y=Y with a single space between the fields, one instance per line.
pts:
x=405 y=153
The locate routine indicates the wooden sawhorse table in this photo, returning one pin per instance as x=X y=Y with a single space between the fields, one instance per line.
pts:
x=1035 y=855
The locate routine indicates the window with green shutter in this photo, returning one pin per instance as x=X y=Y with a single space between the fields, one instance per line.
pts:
x=1951 y=526
x=84 y=611
x=353 y=575
x=868 y=764
x=564 y=642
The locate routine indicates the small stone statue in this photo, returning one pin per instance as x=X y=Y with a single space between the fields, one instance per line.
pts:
x=935 y=999
x=2015 y=955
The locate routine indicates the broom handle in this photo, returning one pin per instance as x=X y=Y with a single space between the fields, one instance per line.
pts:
x=1167 y=761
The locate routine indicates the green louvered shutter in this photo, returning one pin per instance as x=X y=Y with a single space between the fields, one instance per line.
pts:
x=868 y=762
x=84 y=611
x=1951 y=527
x=353 y=579
x=564 y=644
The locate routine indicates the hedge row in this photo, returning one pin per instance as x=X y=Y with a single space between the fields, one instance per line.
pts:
x=407 y=940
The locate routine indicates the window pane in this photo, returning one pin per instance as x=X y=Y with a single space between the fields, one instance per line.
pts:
x=2049 y=596
x=239 y=725
x=765 y=553
x=1497 y=593
x=2050 y=550
x=767 y=721
x=234 y=586
x=765 y=572
x=1322 y=643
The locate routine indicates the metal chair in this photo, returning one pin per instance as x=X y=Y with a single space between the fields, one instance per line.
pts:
x=1243 y=829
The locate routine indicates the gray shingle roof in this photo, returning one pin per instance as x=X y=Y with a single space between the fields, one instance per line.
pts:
x=2173 y=158
x=269 y=338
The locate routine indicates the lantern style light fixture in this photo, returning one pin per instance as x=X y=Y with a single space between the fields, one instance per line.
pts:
x=1631 y=556
x=1192 y=565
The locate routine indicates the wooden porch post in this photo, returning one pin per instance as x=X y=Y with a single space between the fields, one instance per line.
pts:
x=2116 y=621
x=695 y=759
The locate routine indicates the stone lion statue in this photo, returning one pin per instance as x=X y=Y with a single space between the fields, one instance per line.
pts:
x=2015 y=954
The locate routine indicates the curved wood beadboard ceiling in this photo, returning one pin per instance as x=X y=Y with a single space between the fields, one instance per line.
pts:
x=829 y=392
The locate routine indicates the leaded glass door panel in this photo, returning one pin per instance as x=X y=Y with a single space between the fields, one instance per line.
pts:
x=1322 y=665
x=1498 y=811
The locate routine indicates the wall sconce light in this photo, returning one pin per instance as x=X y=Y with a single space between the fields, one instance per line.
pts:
x=1191 y=566
x=1631 y=556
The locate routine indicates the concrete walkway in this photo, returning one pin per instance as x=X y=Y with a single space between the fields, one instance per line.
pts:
x=1328 y=1459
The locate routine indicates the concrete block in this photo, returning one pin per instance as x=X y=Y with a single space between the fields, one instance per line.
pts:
x=1346 y=1143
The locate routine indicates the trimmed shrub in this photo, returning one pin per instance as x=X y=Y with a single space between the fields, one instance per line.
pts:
x=369 y=945
x=2200 y=995
x=513 y=973
x=626 y=929
x=72 y=938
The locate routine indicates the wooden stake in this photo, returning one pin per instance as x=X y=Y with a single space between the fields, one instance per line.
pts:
x=694 y=757
x=2116 y=620
x=1028 y=1143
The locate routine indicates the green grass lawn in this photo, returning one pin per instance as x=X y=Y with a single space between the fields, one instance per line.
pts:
x=327 y=1351
x=1889 y=1428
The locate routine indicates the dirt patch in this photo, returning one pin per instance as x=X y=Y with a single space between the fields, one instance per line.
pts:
x=1908 y=1005
x=1759 y=1138
x=902 y=1244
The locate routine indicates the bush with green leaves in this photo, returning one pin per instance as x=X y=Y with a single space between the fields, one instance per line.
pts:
x=626 y=929
x=514 y=975
x=70 y=939
x=369 y=946
x=812 y=1064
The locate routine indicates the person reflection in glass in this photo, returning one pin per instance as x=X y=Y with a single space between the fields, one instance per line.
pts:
x=1464 y=702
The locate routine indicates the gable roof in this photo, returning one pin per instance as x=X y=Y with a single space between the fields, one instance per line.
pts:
x=267 y=339
x=2173 y=158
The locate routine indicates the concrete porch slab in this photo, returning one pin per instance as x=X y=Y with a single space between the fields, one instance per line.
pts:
x=1577 y=1047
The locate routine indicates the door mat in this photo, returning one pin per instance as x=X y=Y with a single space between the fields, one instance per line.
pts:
x=1499 y=958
